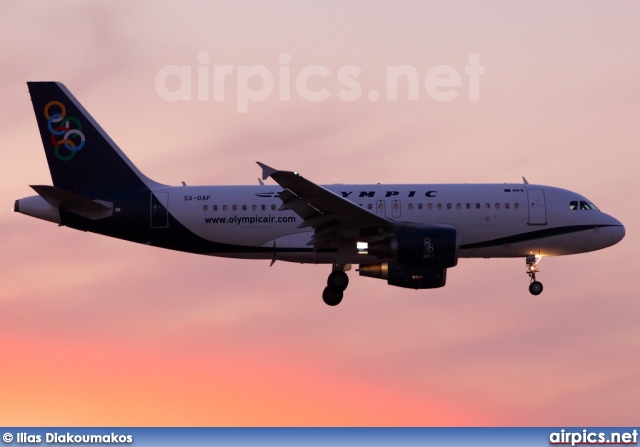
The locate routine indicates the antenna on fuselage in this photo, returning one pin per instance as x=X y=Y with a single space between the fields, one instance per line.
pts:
x=525 y=180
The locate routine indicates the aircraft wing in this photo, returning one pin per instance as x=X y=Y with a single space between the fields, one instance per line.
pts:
x=332 y=217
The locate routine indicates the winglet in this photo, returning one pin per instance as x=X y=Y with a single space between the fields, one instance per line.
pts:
x=266 y=170
x=525 y=180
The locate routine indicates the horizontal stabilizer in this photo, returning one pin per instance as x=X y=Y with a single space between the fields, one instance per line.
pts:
x=64 y=199
x=60 y=198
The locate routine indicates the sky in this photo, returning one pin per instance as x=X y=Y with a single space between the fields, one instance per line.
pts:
x=97 y=331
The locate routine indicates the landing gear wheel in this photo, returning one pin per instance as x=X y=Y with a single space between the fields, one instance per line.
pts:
x=332 y=297
x=338 y=280
x=535 y=288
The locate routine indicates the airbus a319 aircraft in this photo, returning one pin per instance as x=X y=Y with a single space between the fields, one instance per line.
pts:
x=407 y=235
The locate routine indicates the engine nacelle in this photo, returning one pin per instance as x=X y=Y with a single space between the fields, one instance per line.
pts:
x=425 y=247
x=410 y=277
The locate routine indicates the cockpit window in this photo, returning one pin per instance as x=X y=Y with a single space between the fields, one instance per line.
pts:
x=581 y=205
x=586 y=206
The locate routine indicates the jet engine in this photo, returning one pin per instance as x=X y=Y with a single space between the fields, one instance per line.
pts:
x=410 y=277
x=434 y=247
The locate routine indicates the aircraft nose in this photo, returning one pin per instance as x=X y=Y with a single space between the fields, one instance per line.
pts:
x=616 y=231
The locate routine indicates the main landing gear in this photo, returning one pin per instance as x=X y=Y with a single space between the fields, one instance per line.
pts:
x=336 y=285
x=535 y=288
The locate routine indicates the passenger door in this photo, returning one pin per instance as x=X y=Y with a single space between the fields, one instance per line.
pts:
x=537 y=207
x=159 y=210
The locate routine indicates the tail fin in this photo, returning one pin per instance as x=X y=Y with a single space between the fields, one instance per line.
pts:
x=81 y=156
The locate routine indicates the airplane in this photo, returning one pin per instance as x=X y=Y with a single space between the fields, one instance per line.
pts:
x=406 y=234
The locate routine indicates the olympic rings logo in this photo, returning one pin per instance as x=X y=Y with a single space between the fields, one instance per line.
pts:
x=428 y=248
x=59 y=124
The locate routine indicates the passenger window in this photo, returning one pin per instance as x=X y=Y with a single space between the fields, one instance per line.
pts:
x=411 y=206
x=477 y=206
x=369 y=206
x=487 y=206
x=506 y=205
x=448 y=206
x=244 y=207
x=419 y=206
x=458 y=206
x=468 y=206
x=235 y=207
x=205 y=208
x=516 y=205
x=439 y=206
x=253 y=207
x=430 y=205
x=497 y=206
x=264 y=207
x=273 y=207
x=215 y=207
x=573 y=205
x=224 y=207
x=396 y=206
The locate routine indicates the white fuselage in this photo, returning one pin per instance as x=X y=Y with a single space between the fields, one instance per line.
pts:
x=494 y=220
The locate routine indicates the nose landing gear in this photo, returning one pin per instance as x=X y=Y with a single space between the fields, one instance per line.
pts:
x=535 y=287
x=336 y=285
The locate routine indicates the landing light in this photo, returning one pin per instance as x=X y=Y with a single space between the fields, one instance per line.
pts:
x=363 y=247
